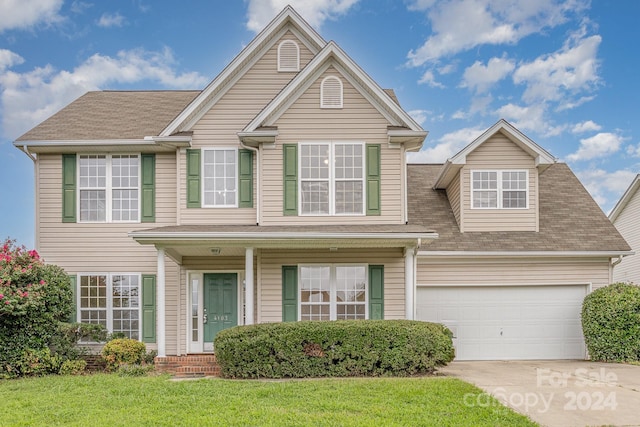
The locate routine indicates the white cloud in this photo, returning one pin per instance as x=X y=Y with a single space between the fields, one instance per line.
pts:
x=599 y=145
x=420 y=116
x=8 y=59
x=633 y=150
x=24 y=14
x=481 y=77
x=108 y=20
x=572 y=69
x=605 y=187
x=525 y=118
x=588 y=126
x=446 y=146
x=429 y=79
x=460 y=25
x=30 y=97
x=315 y=12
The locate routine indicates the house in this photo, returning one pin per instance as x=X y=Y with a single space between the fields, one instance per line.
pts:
x=280 y=192
x=625 y=216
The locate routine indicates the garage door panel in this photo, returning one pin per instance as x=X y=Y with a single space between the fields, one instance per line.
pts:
x=508 y=322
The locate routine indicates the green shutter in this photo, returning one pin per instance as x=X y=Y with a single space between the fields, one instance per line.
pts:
x=290 y=179
x=373 y=179
x=148 y=308
x=376 y=292
x=148 y=172
x=289 y=293
x=73 y=283
x=68 y=188
x=193 y=178
x=245 y=179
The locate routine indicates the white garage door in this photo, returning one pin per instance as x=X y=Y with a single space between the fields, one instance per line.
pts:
x=508 y=322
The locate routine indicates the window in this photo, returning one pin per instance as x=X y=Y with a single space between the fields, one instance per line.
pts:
x=109 y=188
x=331 y=179
x=499 y=189
x=111 y=300
x=220 y=177
x=331 y=92
x=333 y=292
x=288 y=56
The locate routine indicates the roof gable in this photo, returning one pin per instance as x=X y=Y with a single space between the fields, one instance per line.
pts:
x=287 y=20
x=333 y=56
x=542 y=158
x=625 y=199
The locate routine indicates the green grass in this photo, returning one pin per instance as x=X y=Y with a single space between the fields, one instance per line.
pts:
x=111 y=400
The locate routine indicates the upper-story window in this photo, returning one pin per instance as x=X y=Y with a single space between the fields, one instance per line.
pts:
x=109 y=188
x=219 y=177
x=499 y=189
x=331 y=92
x=288 y=56
x=331 y=178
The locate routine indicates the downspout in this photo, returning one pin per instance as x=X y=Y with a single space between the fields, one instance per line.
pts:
x=258 y=182
x=612 y=264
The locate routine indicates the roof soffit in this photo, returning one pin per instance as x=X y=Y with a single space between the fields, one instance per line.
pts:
x=333 y=55
x=287 y=20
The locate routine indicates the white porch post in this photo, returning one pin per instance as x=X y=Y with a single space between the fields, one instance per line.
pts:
x=409 y=282
x=248 y=286
x=160 y=309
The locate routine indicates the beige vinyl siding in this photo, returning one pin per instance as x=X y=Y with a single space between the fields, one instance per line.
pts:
x=357 y=121
x=270 y=278
x=513 y=272
x=453 y=194
x=499 y=153
x=220 y=125
x=628 y=224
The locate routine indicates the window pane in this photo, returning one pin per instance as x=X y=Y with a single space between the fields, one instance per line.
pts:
x=351 y=288
x=314 y=161
x=315 y=288
x=93 y=299
x=349 y=197
x=514 y=199
x=315 y=197
x=348 y=161
x=483 y=180
x=219 y=177
x=485 y=199
x=93 y=205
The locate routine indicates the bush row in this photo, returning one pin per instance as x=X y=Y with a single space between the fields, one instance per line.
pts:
x=333 y=349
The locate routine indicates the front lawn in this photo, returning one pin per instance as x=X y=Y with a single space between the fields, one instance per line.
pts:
x=153 y=401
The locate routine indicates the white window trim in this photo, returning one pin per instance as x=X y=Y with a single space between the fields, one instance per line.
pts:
x=109 y=307
x=322 y=104
x=289 y=69
x=202 y=177
x=499 y=188
x=332 y=180
x=333 y=303
x=108 y=189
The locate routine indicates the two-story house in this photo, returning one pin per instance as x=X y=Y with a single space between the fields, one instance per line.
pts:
x=281 y=192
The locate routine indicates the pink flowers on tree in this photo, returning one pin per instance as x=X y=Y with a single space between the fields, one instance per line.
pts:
x=20 y=282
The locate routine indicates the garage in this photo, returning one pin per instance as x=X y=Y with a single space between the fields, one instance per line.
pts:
x=508 y=322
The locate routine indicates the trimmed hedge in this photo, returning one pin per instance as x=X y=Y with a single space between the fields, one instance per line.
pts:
x=123 y=351
x=343 y=348
x=611 y=323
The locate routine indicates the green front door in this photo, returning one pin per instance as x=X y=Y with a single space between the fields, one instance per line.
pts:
x=220 y=303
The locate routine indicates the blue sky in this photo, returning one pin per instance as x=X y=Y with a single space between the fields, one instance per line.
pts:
x=565 y=73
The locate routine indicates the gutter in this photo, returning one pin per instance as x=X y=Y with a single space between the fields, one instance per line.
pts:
x=194 y=235
x=522 y=254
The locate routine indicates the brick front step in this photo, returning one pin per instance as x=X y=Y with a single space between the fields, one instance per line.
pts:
x=188 y=366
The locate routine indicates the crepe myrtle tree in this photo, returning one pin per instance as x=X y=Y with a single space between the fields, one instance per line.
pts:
x=34 y=298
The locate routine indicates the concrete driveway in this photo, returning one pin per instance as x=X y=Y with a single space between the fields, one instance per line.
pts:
x=559 y=392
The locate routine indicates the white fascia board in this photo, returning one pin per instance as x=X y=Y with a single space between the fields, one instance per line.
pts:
x=147 y=235
x=445 y=175
x=626 y=197
x=273 y=29
x=523 y=254
x=83 y=142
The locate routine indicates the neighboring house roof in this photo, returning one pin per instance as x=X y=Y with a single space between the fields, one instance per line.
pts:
x=625 y=199
x=451 y=167
x=570 y=220
x=112 y=115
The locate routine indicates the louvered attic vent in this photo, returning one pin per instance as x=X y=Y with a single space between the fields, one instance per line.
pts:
x=331 y=92
x=288 y=56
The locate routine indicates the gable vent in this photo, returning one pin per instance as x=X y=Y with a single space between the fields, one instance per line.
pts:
x=331 y=92
x=288 y=56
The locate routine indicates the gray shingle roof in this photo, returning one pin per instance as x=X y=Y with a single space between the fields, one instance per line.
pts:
x=112 y=115
x=570 y=220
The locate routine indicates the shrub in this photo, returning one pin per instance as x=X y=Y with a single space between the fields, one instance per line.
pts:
x=135 y=370
x=34 y=298
x=123 y=351
x=73 y=367
x=611 y=323
x=35 y=363
x=333 y=349
x=65 y=341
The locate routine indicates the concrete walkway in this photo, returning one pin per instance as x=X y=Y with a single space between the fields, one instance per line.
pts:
x=559 y=393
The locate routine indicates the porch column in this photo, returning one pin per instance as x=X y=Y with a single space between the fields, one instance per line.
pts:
x=409 y=282
x=160 y=309
x=248 y=286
